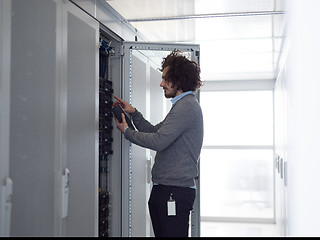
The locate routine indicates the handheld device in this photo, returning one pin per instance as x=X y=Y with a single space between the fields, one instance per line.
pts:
x=117 y=110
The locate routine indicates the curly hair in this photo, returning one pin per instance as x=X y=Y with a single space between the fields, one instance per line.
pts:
x=182 y=72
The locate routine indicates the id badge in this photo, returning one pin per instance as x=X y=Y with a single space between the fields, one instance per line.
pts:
x=171 y=206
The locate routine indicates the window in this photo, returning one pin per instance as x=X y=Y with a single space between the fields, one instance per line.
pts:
x=237 y=157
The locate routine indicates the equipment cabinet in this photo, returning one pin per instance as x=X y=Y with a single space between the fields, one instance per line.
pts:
x=73 y=173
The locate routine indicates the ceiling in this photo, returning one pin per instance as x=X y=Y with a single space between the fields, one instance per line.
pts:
x=239 y=39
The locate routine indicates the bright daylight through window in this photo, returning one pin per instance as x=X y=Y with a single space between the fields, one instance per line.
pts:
x=237 y=156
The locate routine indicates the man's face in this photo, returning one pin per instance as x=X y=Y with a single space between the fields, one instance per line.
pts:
x=169 y=91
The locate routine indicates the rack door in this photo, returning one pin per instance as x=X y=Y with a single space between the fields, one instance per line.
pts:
x=141 y=88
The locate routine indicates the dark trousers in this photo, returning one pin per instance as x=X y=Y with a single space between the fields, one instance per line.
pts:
x=171 y=226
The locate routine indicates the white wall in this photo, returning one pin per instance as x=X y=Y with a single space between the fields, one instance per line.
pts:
x=304 y=118
x=280 y=158
x=301 y=93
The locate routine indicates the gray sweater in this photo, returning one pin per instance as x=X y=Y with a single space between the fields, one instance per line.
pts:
x=177 y=140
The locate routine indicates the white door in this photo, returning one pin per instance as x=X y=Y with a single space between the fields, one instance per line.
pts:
x=141 y=88
x=79 y=82
x=5 y=181
x=53 y=119
x=32 y=117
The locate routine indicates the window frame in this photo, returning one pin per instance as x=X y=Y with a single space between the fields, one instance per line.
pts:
x=242 y=85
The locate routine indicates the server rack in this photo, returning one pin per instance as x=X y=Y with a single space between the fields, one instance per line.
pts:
x=105 y=135
x=59 y=111
x=109 y=174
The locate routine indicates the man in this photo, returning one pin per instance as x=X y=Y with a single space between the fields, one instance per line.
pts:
x=177 y=140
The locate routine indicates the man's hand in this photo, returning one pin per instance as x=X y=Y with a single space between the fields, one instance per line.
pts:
x=121 y=126
x=125 y=106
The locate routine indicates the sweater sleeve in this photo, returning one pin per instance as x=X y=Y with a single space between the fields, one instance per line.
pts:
x=142 y=124
x=175 y=123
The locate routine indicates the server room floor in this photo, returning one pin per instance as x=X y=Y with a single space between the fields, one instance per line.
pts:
x=218 y=229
